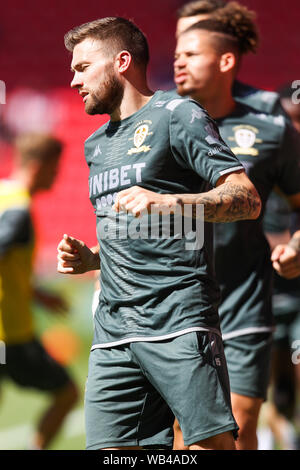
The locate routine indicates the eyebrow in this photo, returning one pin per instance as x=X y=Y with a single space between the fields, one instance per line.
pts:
x=73 y=68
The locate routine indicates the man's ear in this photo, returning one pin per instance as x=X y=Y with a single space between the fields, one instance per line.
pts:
x=123 y=61
x=227 y=61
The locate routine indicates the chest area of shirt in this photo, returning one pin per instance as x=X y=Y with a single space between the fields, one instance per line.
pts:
x=249 y=142
x=255 y=148
x=138 y=154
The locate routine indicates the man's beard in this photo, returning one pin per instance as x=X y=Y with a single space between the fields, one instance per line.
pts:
x=192 y=92
x=108 y=97
x=182 y=91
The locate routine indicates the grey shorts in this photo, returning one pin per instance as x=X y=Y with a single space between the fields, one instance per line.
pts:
x=134 y=391
x=249 y=364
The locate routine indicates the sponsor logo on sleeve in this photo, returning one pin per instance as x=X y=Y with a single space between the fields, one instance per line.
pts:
x=97 y=151
x=213 y=135
x=196 y=114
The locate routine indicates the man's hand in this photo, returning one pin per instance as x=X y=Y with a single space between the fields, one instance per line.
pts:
x=234 y=198
x=74 y=257
x=138 y=201
x=286 y=261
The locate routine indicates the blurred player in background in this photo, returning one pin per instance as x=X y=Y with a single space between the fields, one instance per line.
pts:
x=279 y=223
x=190 y=13
x=158 y=299
x=27 y=363
x=207 y=60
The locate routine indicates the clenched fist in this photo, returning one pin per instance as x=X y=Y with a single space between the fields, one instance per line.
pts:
x=138 y=201
x=74 y=257
x=286 y=261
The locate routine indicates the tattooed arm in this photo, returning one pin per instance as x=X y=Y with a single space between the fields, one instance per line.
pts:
x=234 y=198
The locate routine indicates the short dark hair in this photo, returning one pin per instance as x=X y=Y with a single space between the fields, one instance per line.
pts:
x=236 y=25
x=37 y=146
x=119 y=32
x=199 y=7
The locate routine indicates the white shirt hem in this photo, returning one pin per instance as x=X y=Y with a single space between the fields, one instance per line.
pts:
x=153 y=338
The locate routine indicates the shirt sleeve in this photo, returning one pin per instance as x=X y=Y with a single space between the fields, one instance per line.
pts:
x=196 y=143
x=288 y=163
x=15 y=228
x=261 y=100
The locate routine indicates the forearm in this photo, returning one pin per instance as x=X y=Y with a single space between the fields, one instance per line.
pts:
x=226 y=203
x=295 y=241
x=234 y=198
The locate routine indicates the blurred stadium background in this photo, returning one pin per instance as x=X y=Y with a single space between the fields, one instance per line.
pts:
x=36 y=70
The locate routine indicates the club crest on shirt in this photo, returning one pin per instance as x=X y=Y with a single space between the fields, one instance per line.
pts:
x=140 y=135
x=139 y=138
x=246 y=137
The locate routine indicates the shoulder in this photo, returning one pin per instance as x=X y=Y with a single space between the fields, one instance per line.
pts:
x=98 y=133
x=275 y=126
x=184 y=111
x=260 y=99
x=15 y=218
x=278 y=132
x=13 y=196
x=173 y=103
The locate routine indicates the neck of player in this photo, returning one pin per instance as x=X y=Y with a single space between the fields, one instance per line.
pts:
x=136 y=95
x=218 y=104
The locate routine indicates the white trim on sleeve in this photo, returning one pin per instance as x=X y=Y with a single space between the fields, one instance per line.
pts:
x=230 y=170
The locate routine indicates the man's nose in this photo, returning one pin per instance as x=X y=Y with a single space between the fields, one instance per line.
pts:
x=76 y=82
x=179 y=62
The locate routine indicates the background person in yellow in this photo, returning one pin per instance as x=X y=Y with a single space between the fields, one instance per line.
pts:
x=27 y=363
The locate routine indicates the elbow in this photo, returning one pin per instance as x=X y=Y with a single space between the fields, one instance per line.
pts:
x=256 y=205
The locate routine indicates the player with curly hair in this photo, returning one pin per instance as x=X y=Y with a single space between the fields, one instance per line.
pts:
x=207 y=59
x=190 y=13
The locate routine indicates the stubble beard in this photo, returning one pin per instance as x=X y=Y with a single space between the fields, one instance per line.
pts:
x=108 y=97
x=182 y=91
x=190 y=91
